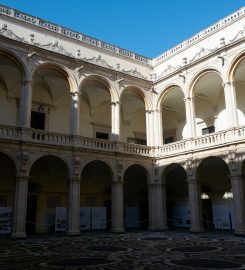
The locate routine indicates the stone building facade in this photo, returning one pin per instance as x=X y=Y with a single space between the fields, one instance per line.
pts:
x=84 y=123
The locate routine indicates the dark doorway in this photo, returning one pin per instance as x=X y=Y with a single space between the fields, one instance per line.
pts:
x=107 y=204
x=38 y=120
x=31 y=214
x=144 y=215
x=207 y=213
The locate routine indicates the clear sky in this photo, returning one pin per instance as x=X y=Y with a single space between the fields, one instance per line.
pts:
x=147 y=27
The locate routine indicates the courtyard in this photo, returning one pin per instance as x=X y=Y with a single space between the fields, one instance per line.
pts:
x=132 y=250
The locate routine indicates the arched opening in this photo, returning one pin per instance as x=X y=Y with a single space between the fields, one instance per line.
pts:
x=135 y=194
x=7 y=188
x=238 y=83
x=47 y=196
x=210 y=109
x=95 y=204
x=173 y=115
x=177 y=198
x=216 y=194
x=95 y=109
x=133 y=121
x=50 y=100
x=11 y=76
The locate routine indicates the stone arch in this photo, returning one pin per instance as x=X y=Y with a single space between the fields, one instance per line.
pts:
x=138 y=164
x=61 y=69
x=106 y=82
x=234 y=65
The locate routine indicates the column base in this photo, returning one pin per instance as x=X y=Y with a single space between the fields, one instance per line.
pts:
x=119 y=230
x=18 y=235
x=73 y=234
x=158 y=228
x=197 y=230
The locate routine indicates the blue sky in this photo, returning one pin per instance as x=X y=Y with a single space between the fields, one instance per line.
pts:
x=147 y=27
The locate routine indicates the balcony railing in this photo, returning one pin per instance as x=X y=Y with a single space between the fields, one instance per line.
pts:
x=212 y=140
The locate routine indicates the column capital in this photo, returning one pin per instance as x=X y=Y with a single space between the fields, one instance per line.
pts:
x=149 y=111
x=115 y=103
x=75 y=93
x=192 y=180
x=26 y=82
x=228 y=83
x=22 y=178
x=75 y=179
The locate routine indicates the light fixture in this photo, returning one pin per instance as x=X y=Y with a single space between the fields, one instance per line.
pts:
x=228 y=195
x=204 y=196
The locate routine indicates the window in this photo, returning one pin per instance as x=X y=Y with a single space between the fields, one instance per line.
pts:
x=207 y=130
x=136 y=141
x=169 y=139
x=38 y=120
x=101 y=135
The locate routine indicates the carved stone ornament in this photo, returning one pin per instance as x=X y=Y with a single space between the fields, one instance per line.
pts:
x=240 y=34
x=202 y=52
x=134 y=72
x=5 y=31
x=167 y=70
x=232 y=156
x=98 y=61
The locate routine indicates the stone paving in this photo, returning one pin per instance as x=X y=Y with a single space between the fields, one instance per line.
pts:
x=132 y=250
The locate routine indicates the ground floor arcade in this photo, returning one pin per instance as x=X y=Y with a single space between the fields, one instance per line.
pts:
x=101 y=197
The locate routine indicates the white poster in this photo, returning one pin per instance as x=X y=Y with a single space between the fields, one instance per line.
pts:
x=60 y=219
x=5 y=220
x=132 y=217
x=221 y=217
x=98 y=218
x=181 y=216
x=85 y=218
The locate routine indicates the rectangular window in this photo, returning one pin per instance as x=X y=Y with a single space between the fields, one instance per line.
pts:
x=136 y=141
x=208 y=130
x=101 y=135
x=169 y=139
x=37 y=120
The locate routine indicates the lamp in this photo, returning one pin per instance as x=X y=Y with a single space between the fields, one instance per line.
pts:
x=204 y=196
x=228 y=195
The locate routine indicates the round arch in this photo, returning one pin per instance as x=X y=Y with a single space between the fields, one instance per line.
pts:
x=62 y=70
x=234 y=65
x=101 y=79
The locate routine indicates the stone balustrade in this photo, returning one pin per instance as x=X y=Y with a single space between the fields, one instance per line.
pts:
x=226 y=137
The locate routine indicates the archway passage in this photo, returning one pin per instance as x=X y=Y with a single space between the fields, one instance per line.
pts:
x=95 y=109
x=11 y=75
x=210 y=108
x=7 y=188
x=136 y=197
x=50 y=100
x=133 y=121
x=47 y=196
x=216 y=194
x=177 y=198
x=95 y=193
x=238 y=83
x=173 y=116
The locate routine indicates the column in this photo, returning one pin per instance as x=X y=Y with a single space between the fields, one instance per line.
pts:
x=25 y=104
x=230 y=104
x=158 y=132
x=20 y=206
x=74 y=208
x=157 y=207
x=190 y=116
x=149 y=128
x=117 y=207
x=75 y=113
x=115 y=121
x=195 y=205
x=239 y=203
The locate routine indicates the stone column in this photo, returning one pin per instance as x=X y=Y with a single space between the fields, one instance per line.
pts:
x=20 y=206
x=117 y=207
x=231 y=104
x=239 y=202
x=115 y=121
x=190 y=116
x=195 y=205
x=158 y=132
x=74 y=208
x=149 y=128
x=157 y=207
x=75 y=113
x=25 y=104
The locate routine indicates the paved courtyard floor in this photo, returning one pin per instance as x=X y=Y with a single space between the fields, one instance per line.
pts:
x=132 y=250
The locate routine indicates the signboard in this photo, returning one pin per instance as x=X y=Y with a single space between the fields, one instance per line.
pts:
x=132 y=217
x=85 y=218
x=5 y=220
x=222 y=217
x=181 y=216
x=60 y=219
x=98 y=218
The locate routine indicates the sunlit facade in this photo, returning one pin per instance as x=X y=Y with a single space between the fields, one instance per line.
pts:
x=93 y=134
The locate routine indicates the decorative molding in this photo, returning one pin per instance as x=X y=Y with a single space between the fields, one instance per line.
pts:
x=167 y=71
x=7 y=32
x=55 y=47
x=202 y=52
x=134 y=72
x=98 y=61
x=240 y=34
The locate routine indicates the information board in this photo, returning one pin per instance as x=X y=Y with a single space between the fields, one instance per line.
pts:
x=85 y=218
x=132 y=217
x=5 y=220
x=98 y=218
x=181 y=216
x=60 y=219
x=222 y=217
